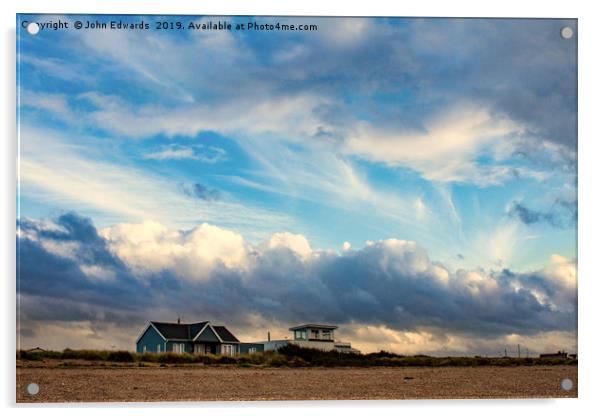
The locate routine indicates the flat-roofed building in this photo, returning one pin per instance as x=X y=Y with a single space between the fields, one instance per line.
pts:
x=318 y=336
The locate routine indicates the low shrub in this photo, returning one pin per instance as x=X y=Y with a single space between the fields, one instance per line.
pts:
x=277 y=361
x=225 y=359
x=90 y=355
x=173 y=358
x=290 y=356
x=121 y=357
x=27 y=355
x=297 y=362
x=149 y=357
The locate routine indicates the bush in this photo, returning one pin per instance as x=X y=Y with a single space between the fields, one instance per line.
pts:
x=297 y=362
x=149 y=357
x=33 y=356
x=277 y=361
x=226 y=359
x=121 y=356
x=90 y=355
x=383 y=354
x=173 y=358
x=291 y=355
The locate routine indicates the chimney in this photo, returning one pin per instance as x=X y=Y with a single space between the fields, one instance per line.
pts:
x=269 y=338
x=178 y=320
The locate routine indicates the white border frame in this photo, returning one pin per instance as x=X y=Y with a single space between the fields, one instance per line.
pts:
x=590 y=169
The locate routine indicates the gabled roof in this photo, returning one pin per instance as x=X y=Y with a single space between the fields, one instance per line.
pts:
x=224 y=334
x=178 y=331
x=189 y=332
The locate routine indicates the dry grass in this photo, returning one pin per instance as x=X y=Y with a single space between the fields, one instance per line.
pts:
x=91 y=382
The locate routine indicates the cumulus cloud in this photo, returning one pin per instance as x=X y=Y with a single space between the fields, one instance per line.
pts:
x=296 y=243
x=150 y=248
x=211 y=273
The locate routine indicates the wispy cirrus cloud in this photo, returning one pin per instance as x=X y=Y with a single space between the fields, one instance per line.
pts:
x=65 y=176
x=305 y=102
x=205 y=154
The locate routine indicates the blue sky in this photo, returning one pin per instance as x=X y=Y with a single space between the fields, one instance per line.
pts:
x=455 y=136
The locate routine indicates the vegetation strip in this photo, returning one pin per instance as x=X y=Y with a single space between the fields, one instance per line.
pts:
x=292 y=356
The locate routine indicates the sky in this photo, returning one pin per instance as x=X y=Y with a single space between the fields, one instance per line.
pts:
x=412 y=181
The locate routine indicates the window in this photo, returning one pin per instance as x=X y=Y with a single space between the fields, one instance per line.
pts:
x=179 y=348
x=300 y=334
x=315 y=334
x=158 y=347
x=228 y=349
x=326 y=334
x=143 y=348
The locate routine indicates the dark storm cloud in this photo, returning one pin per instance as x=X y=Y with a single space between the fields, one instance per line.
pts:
x=401 y=71
x=385 y=283
x=62 y=289
x=560 y=214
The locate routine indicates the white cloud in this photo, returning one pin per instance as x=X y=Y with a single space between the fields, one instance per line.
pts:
x=206 y=154
x=290 y=117
x=57 y=68
x=315 y=172
x=171 y=152
x=294 y=242
x=70 y=176
x=348 y=33
x=562 y=270
x=151 y=247
x=447 y=149
x=55 y=104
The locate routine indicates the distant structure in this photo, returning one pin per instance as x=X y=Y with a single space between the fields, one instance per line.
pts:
x=559 y=354
x=206 y=338
x=318 y=336
x=196 y=338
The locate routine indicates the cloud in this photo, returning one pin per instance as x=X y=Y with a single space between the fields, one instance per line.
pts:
x=445 y=150
x=159 y=273
x=560 y=214
x=150 y=248
x=171 y=152
x=379 y=337
x=202 y=192
x=72 y=176
x=210 y=154
x=55 y=104
x=429 y=105
x=296 y=243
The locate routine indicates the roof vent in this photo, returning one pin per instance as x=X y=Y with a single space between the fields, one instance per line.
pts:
x=178 y=320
